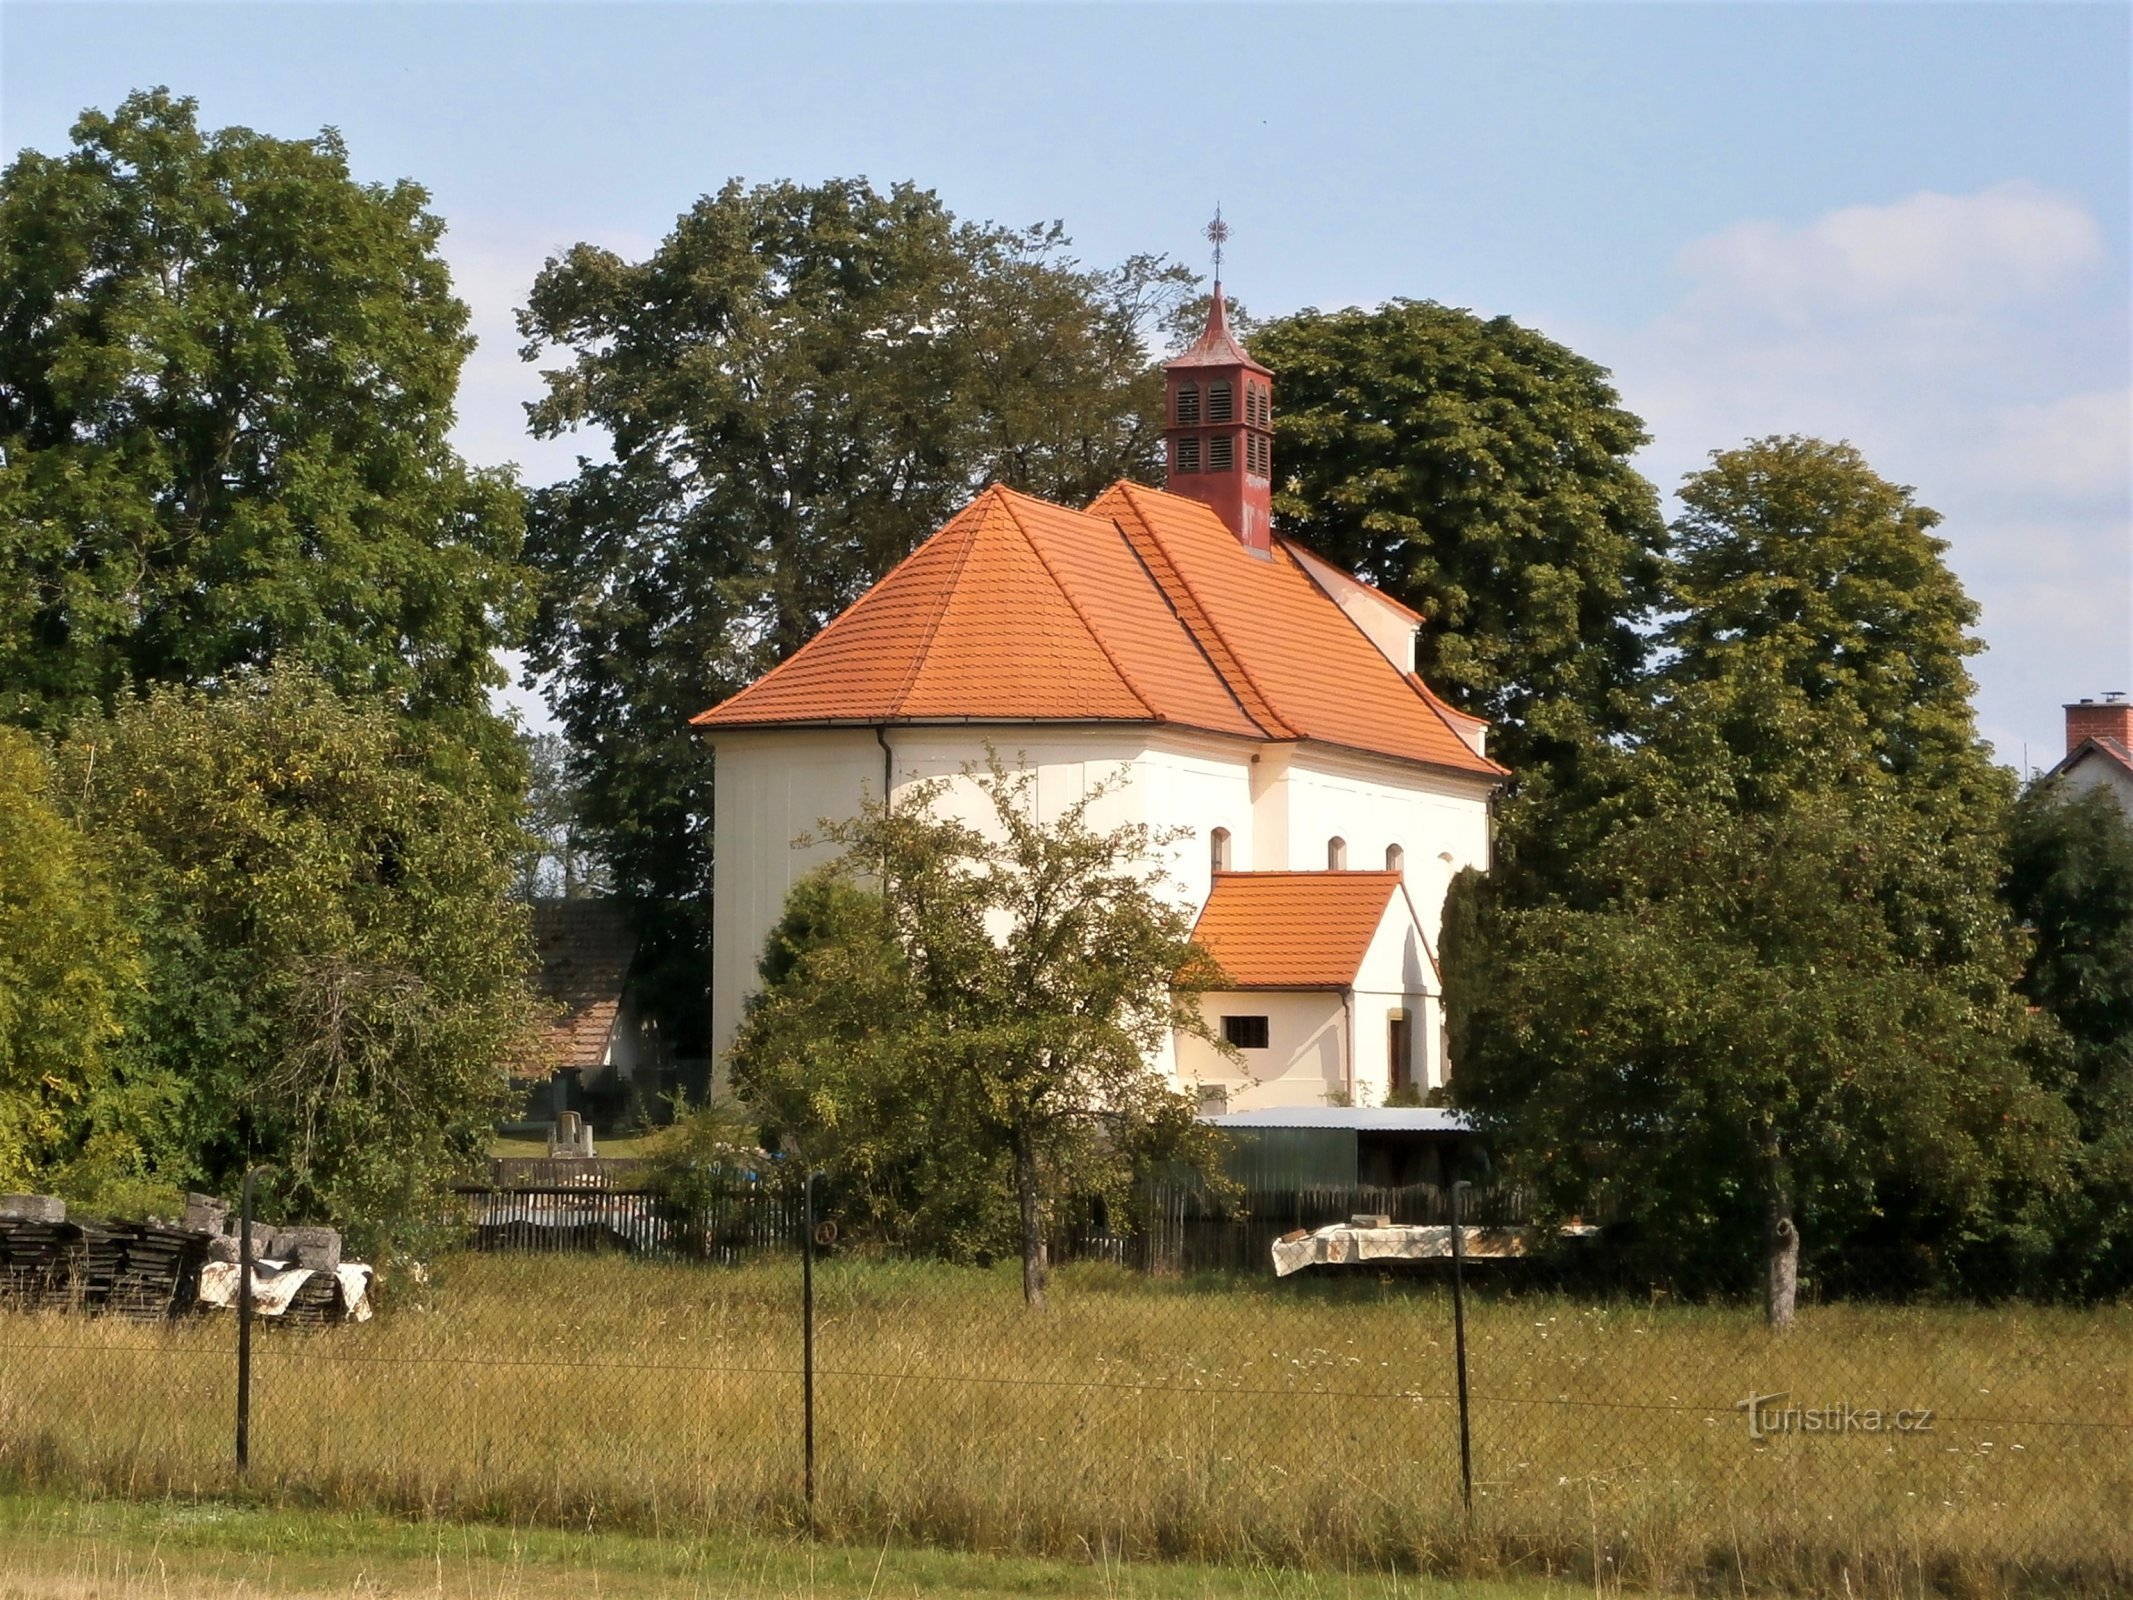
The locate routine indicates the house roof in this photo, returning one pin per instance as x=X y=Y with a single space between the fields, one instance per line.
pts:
x=1144 y=608
x=585 y=949
x=2101 y=745
x=1293 y=930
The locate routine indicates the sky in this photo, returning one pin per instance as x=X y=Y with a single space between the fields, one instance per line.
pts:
x=1904 y=225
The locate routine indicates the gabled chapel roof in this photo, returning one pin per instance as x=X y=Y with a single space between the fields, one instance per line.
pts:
x=1142 y=609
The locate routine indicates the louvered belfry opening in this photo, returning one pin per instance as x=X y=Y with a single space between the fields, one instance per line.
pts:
x=1220 y=408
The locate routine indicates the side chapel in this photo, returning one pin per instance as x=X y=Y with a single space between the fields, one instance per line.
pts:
x=1254 y=694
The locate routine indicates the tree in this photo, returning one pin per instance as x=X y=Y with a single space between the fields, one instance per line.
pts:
x=335 y=979
x=227 y=372
x=557 y=865
x=1481 y=473
x=947 y=997
x=1852 y=996
x=797 y=386
x=1730 y=1055
x=1817 y=646
x=2070 y=882
x=66 y=966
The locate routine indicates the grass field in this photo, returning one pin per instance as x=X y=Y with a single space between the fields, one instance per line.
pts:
x=1306 y=1425
x=52 y=1549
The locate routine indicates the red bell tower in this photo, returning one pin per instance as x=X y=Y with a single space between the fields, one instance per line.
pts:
x=1218 y=415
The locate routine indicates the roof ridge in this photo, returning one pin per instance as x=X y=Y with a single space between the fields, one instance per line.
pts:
x=1185 y=627
x=1074 y=605
x=1273 y=721
x=924 y=652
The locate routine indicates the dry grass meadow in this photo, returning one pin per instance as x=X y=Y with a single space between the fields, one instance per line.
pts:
x=1302 y=1424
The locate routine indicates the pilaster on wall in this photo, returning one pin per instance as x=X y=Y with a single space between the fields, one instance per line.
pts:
x=1270 y=808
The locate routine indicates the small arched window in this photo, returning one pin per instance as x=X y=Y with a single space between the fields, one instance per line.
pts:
x=1218 y=850
x=1188 y=403
x=1218 y=402
x=1337 y=854
x=1395 y=859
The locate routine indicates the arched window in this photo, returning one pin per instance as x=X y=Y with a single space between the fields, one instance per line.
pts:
x=1395 y=859
x=1337 y=854
x=1218 y=402
x=1218 y=850
x=1188 y=403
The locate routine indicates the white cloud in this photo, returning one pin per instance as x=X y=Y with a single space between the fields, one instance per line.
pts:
x=2078 y=447
x=1973 y=346
x=1928 y=253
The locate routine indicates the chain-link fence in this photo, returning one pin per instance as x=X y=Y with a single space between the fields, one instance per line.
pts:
x=1874 y=1449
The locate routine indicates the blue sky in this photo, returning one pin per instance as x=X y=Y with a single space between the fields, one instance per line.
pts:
x=1906 y=225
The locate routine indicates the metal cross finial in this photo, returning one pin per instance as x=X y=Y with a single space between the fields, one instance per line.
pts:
x=1218 y=235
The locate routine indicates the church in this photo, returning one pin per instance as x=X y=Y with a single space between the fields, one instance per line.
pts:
x=1247 y=690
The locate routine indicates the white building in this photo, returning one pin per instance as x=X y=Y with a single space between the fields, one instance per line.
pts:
x=2099 y=749
x=1249 y=691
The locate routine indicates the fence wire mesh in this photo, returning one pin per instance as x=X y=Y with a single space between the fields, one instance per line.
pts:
x=1179 y=1411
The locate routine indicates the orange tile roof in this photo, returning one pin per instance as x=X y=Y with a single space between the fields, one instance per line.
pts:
x=1016 y=611
x=1293 y=930
x=585 y=949
x=1144 y=608
x=1314 y=669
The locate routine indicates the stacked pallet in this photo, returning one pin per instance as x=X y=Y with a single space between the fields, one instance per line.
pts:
x=148 y=1271
x=39 y=1253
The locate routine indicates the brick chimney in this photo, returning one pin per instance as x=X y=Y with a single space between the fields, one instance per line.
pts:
x=2108 y=718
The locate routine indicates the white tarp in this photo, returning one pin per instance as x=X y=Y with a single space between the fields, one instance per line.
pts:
x=275 y=1284
x=1345 y=1242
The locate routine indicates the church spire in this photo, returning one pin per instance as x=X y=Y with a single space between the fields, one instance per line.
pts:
x=1218 y=414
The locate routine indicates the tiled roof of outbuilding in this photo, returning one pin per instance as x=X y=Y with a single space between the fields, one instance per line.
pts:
x=1293 y=930
x=585 y=948
x=1144 y=608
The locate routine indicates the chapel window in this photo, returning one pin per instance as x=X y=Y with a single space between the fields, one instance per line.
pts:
x=1337 y=854
x=1218 y=402
x=1188 y=403
x=1218 y=849
x=1395 y=859
x=1246 y=1033
x=1188 y=455
x=1221 y=454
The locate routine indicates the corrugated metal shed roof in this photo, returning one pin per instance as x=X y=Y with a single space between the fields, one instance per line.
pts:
x=1355 y=1119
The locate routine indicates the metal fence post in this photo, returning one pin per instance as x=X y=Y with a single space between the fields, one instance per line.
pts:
x=1466 y=1449
x=807 y=1336
x=244 y=1329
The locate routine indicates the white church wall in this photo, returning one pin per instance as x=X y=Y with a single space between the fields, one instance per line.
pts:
x=772 y=788
x=775 y=785
x=1396 y=976
x=1305 y=1060
x=1440 y=823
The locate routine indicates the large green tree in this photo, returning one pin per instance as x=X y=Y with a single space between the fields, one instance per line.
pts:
x=798 y=385
x=1773 y=946
x=227 y=372
x=954 y=1008
x=67 y=970
x=1480 y=472
x=1726 y=1052
x=2070 y=881
x=1817 y=646
x=335 y=981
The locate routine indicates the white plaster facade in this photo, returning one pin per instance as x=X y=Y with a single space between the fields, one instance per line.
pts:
x=1281 y=804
